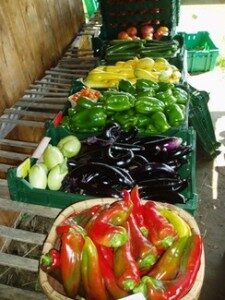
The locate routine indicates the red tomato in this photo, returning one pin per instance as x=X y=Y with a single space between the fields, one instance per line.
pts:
x=132 y=31
x=122 y=35
x=146 y=30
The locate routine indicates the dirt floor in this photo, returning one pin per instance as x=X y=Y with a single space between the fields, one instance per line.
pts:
x=211 y=172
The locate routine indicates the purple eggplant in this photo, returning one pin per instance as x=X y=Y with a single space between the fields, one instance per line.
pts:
x=152 y=170
x=163 y=196
x=163 y=184
x=121 y=158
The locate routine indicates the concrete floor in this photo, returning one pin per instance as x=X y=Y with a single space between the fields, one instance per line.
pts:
x=211 y=173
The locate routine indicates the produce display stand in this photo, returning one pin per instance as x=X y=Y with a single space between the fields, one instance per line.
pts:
x=41 y=103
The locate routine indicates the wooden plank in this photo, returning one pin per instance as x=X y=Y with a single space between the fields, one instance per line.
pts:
x=48 y=88
x=66 y=85
x=13 y=155
x=3 y=183
x=22 y=235
x=29 y=113
x=18 y=143
x=15 y=261
x=23 y=122
x=47 y=93
x=4 y=167
x=64 y=74
x=44 y=211
x=44 y=100
x=39 y=105
x=71 y=71
x=57 y=78
x=10 y=293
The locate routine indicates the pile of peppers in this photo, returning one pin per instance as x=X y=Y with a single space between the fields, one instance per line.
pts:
x=118 y=159
x=110 y=251
x=151 y=107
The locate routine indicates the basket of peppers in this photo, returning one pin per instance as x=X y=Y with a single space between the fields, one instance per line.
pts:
x=109 y=249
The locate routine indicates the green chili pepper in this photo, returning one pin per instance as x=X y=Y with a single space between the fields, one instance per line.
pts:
x=143 y=85
x=174 y=115
x=126 y=86
x=180 y=95
x=88 y=119
x=148 y=105
x=159 y=121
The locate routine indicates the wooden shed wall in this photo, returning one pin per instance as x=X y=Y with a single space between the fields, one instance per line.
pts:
x=33 y=35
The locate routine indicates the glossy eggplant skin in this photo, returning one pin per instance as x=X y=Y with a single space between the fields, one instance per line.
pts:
x=163 y=196
x=117 y=160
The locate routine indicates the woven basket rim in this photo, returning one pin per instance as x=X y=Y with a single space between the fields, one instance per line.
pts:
x=76 y=207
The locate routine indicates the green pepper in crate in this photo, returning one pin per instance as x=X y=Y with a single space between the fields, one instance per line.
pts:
x=164 y=86
x=142 y=120
x=126 y=86
x=180 y=95
x=89 y=119
x=143 y=85
x=85 y=102
x=174 y=115
x=166 y=97
x=148 y=105
x=126 y=119
x=151 y=130
x=148 y=93
x=159 y=121
x=119 y=102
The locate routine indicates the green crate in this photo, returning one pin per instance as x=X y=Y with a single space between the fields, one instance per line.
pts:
x=90 y=7
x=21 y=190
x=201 y=52
x=200 y=119
x=117 y=15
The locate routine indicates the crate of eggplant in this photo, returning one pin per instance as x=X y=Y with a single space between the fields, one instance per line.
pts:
x=71 y=169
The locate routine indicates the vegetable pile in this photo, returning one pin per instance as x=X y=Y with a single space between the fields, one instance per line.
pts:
x=116 y=159
x=152 y=107
x=114 y=250
x=158 y=70
x=124 y=50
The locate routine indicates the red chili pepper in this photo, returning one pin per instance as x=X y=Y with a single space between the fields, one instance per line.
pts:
x=161 y=233
x=168 y=265
x=108 y=235
x=125 y=267
x=72 y=243
x=137 y=210
x=143 y=251
x=84 y=216
x=155 y=289
x=92 y=279
x=107 y=254
x=65 y=227
x=50 y=263
x=94 y=218
x=117 y=213
x=109 y=277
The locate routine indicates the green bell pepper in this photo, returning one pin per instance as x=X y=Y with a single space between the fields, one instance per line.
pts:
x=88 y=119
x=148 y=105
x=164 y=86
x=151 y=130
x=85 y=102
x=127 y=119
x=180 y=95
x=142 y=120
x=66 y=122
x=119 y=102
x=126 y=86
x=166 y=98
x=174 y=115
x=159 y=121
x=143 y=85
x=149 y=93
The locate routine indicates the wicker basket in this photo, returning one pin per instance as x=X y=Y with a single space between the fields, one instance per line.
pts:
x=54 y=289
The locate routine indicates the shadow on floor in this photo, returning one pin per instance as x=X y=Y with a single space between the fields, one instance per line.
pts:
x=211 y=216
